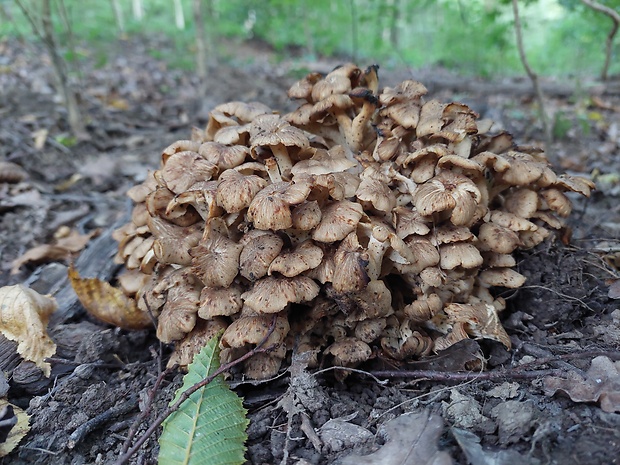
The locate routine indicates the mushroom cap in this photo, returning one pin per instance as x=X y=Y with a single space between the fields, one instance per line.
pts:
x=557 y=201
x=408 y=222
x=271 y=131
x=236 y=191
x=302 y=89
x=350 y=262
x=431 y=118
x=512 y=221
x=223 y=156
x=323 y=161
x=252 y=330
x=337 y=81
x=448 y=191
x=183 y=169
x=463 y=254
x=260 y=248
x=424 y=308
x=405 y=91
x=338 y=219
x=497 y=238
x=369 y=331
x=377 y=193
x=306 y=215
x=504 y=277
x=270 y=208
x=178 y=316
x=522 y=202
x=349 y=351
x=215 y=260
x=222 y=301
x=186 y=349
x=304 y=256
x=271 y=294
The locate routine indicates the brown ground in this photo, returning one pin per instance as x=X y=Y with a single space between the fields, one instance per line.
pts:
x=135 y=107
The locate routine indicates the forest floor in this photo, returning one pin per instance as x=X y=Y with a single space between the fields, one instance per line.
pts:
x=564 y=323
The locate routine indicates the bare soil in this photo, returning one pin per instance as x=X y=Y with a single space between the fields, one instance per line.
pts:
x=102 y=377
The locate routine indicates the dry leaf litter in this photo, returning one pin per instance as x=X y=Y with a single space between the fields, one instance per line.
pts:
x=367 y=221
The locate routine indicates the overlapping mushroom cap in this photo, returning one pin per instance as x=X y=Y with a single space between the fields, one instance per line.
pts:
x=366 y=221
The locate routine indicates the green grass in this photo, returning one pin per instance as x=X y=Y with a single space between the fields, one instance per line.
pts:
x=470 y=37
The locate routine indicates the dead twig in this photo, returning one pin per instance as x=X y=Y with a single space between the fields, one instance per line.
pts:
x=80 y=433
x=532 y=75
x=460 y=376
x=124 y=458
x=615 y=17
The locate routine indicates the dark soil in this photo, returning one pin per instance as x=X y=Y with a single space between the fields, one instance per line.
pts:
x=135 y=107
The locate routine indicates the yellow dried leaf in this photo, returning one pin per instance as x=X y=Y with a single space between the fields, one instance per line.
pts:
x=18 y=431
x=108 y=303
x=24 y=315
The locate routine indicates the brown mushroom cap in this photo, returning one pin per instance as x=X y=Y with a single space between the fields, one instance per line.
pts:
x=338 y=219
x=448 y=191
x=270 y=208
x=349 y=352
x=350 y=262
x=260 y=248
x=304 y=256
x=223 y=301
x=505 y=277
x=184 y=169
x=271 y=294
x=497 y=238
x=215 y=260
x=306 y=215
x=235 y=191
x=463 y=254
x=252 y=330
x=333 y=160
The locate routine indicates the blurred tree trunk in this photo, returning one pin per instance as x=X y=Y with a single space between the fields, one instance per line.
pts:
x=201 y=41
x=395 y=14
x=179 y=16
x=42 y=27
x=615 y=17
x=138 y=10
x=118 y=16
x=307 y=10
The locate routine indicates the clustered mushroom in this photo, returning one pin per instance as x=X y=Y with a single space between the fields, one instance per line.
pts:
x=365 y=221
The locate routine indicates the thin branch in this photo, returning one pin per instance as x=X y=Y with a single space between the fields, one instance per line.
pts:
x=124 y=458
x=532 y=75
x=615 y=17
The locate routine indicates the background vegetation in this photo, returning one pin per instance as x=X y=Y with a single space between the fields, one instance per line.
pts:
x=474 y=37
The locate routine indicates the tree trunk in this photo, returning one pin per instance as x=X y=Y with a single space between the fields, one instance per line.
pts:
x=138 y=10
x=201 y=43
x=179 y=17
x=615 y=17
x=118 y=16
x=60 y=70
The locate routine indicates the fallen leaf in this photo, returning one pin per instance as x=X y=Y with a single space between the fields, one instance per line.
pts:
x=60 y=250
x=19 y=429
x=412 y=440
x=24 y=314
x=108 y=303
x=475 y=454
x=601 y=384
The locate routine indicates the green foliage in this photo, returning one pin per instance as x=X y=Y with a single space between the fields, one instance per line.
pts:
x=209 y=427
x=472 y=37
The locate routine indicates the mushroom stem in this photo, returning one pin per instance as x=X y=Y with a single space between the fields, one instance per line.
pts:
x=284 y=161
x=272 y=170
x=359 y=125
x=376 y=251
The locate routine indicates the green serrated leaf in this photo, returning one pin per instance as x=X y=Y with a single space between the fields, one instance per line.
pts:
x=210 y=426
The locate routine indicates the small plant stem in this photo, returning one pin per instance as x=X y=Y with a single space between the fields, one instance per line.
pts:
x=532 y=75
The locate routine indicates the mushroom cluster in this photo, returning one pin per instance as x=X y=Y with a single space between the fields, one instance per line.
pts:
x=366 y=221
